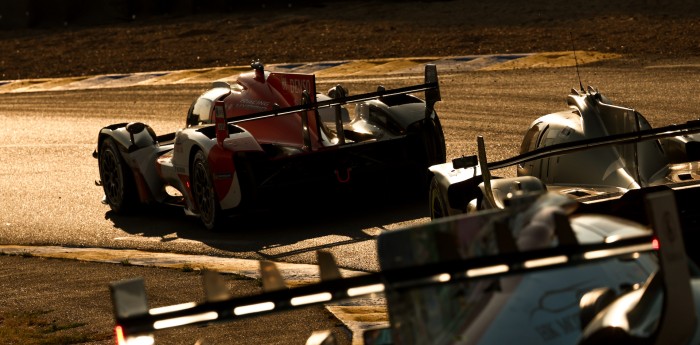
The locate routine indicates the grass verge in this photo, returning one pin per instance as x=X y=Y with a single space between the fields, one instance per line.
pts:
x=36 y=328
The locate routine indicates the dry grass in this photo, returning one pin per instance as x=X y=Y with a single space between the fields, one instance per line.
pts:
x=35 y=328
x=339 y=30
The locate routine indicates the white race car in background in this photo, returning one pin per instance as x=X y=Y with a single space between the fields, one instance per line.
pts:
x=618 y=152
x=592 y=152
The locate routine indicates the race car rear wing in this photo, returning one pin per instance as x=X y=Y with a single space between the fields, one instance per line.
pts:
x=430 y=86
x=134 y=320
x=689 y=127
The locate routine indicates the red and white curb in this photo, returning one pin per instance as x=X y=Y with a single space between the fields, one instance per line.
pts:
x=322 y=70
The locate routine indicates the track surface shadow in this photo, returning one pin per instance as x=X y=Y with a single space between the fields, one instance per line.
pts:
x=264 y=230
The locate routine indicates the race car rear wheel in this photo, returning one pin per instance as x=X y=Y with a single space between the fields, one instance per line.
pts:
x=438 y=204
x=434 y=141
x=117 y=179
x=203 y=192
x=430 y=146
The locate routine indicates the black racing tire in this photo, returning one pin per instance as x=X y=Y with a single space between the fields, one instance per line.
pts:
x=204 y=195
x=437 y=202
x=434 y=141
x=431 y=148
x=117 y=179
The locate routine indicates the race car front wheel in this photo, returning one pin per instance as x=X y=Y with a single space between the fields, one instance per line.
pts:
x=438 y=205
x=203 y=192
x=117 y=179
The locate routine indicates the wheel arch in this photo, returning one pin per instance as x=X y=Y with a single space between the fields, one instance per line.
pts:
x=113 y=133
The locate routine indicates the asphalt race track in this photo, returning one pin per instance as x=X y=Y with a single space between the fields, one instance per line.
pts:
x=47 y=173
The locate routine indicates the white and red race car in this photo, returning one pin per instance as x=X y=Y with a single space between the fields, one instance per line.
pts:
x=269 y=139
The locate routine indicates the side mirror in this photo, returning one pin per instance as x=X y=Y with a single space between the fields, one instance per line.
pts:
x=465 y=162
x=192 y=120
x=135 y=127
